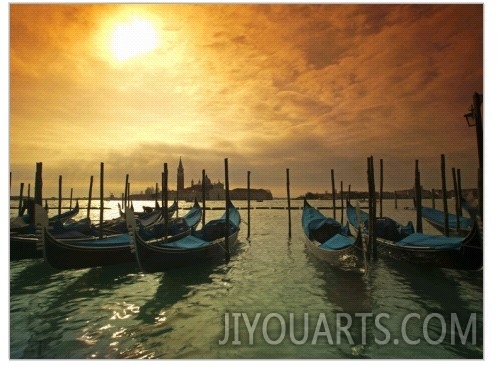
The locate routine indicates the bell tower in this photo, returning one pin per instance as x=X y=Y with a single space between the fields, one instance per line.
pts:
x=181 y=177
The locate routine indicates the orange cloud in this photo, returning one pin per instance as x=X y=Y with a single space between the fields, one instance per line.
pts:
x=305 y=87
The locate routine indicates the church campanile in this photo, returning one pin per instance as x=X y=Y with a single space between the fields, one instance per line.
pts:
x=181 y=177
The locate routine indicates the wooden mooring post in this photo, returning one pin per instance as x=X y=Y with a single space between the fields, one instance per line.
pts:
x=418 y=195
x=177 y=200
x=395 y=200
x=477 y=99
x=165 y=207
x=129 y=202
x=445 y=195
x=124 y=204
x=227 y=212
x=249 y=204
x=38 y=185
x=433 y=198
x=60 y=193
x=381 y=188
x=480 y=192
x=101 y=198
x=341 y=201
x=289 y=203
x=20 y=210
x=38 y=194
x=166 y=170
x=370 y=201
x=374 y=219
x=371 y=208
x=156 y=194
x=333 y=193
x=460 y=196
x=89 y=198
x=203 y=197
x=163 y=196
x=457 y=201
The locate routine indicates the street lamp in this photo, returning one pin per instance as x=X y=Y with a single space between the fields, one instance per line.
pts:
x=473 y=118
x=470 y=116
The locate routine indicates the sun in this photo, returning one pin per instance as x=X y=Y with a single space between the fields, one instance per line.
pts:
x=134 y=38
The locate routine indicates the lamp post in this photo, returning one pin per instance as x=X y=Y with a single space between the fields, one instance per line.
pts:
x=475 y=114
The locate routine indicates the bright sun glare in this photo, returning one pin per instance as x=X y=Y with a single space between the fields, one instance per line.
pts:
x=133 y=39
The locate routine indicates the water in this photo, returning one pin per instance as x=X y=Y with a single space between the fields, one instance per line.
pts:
x=118 y=312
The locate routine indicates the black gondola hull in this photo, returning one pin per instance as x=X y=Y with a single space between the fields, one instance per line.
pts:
x=24 y=247
x=64 y=255
x=152 y=258
x=468 y=257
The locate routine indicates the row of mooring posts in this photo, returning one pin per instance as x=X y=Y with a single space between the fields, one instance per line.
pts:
x=21 y=206
x=457 y=186
x=37 y=199
x=371 y=190
x=457 y=192
x=370 y=246
x=89 y=198
x=126 y=197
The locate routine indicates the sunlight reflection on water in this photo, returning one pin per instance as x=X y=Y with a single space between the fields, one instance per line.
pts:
x=119 y=312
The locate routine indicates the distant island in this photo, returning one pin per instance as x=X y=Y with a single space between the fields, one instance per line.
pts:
x=214 y=193
x=401 y=194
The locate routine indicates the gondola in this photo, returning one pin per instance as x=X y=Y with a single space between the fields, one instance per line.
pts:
x=24 y=245
x=329 y=241
x=148 y=217
x=403 y=243
x=63 y=217
x=23 y=241
x=22 y=224
x=436 y=219
x=202 y=247
x=147 y=210
x=107 y=250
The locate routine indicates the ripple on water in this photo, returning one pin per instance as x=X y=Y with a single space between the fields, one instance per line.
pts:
x=118 y=312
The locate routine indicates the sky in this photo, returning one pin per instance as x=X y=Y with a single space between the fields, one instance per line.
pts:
x=302 y=87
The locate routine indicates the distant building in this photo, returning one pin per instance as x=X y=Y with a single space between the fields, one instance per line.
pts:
x=180 y=177
x=213 y=191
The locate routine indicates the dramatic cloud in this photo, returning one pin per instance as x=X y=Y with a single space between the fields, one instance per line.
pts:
x=305 y=87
